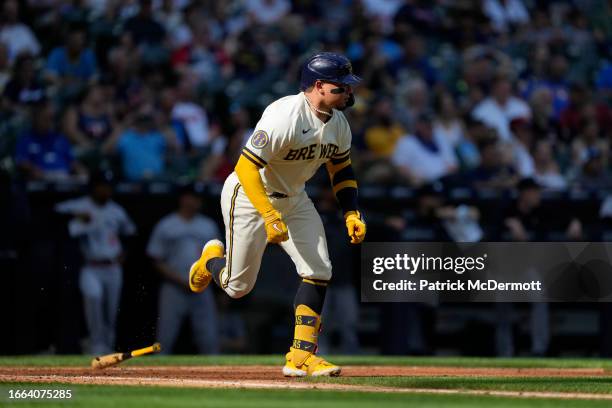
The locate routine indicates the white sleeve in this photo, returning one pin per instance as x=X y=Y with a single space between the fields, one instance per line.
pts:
x=272 y=134
x=479 y=112
x=518 y=12
x=345 y=139
x=126 y=226
x=399 y=154
x=70 y=206
x=446 y=149
x=32 y=41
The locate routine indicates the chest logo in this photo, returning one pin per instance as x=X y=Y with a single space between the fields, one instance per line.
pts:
x=305 y=131
x=260 y=139
x=310 y=152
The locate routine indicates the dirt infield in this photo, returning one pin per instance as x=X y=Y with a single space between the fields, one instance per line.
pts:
x=255 y=372
x=270 y=377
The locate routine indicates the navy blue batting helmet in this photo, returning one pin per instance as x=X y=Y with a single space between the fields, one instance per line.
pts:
x=328 y=66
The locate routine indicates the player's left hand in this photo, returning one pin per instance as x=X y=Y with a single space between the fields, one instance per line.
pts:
x=356 y=226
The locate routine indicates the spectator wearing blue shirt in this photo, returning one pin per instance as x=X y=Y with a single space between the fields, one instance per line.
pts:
x=167 y=101
x=555 y=81
x=142 y=146
x=603 y=81
x=42 y=152
x=73 y=63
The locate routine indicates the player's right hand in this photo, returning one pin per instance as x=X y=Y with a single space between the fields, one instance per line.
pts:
x=276 y=229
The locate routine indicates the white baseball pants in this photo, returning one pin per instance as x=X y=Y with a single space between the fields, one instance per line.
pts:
x=245 y=238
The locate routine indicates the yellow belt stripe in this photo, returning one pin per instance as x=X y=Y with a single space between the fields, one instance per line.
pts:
x=231 y=238
x=312 y=282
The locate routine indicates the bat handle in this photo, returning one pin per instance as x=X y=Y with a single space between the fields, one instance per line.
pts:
x=147 y=350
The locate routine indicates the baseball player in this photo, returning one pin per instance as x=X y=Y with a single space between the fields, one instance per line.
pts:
x=175 y=240
x=263 y=201
x=98 y=221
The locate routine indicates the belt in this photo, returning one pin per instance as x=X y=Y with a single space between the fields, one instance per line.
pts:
x=276 y=194
x=101 y=262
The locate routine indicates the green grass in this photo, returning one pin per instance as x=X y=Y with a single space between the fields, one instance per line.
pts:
x=154 y=397
x=600 y=385
x=341 y=360
x=151 y=397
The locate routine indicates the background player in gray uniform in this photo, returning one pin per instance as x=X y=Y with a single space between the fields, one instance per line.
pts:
x=98 y=221
x=176 y=240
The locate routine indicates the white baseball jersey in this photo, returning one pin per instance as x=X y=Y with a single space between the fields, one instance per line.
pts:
x=289 y=144
x=99 y=238
x=293 y=143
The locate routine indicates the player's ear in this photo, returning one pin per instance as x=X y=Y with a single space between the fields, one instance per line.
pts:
x=318 y=86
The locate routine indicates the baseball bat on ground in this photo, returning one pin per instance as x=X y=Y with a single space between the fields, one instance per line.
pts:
x=110 y=360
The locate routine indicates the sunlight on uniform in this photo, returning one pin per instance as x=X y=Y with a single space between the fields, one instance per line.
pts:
x=264 y=201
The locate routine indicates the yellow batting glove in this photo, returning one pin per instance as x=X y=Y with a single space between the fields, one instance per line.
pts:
x=356 y=226
x=276 y=229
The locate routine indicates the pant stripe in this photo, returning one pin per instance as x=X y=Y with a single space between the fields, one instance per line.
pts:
x=231 y=237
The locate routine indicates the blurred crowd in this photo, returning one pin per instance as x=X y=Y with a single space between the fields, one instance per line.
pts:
x=484 y=94
x=476 y=93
